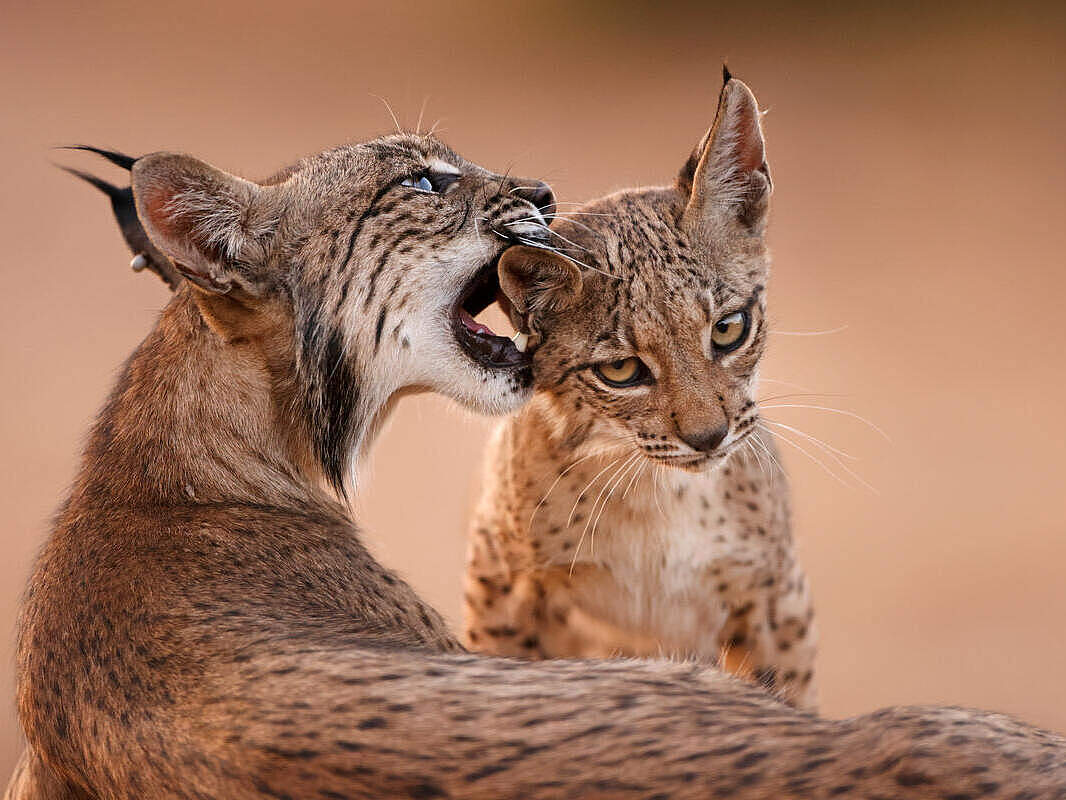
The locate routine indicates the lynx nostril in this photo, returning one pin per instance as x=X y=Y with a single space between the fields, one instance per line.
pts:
x=539 y=194
x=706 y=440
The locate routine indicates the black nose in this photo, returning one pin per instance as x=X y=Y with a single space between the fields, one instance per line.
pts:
x=706 y=440
x=539 y=194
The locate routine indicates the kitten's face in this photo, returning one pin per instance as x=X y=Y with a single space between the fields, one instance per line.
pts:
x=663 y=352
x=654 y=339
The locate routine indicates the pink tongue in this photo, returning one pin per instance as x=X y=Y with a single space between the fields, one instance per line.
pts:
x=473 y=324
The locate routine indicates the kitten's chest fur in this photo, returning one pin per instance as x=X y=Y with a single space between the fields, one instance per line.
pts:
x=644 y=559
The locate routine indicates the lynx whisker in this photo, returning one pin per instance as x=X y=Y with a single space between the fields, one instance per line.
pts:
x=593 y=516
x=555 y=483
x=757 y=439
x=567 y=256
x=421 y=113
x=781 y=437
x=581 y=494
x=546 y=229
x=392 y=113
x=563 y=215
x=809 y=333
x=831 y=410
x=793 y=384
x=643 y=466
x=825 y=445
x=830 y=451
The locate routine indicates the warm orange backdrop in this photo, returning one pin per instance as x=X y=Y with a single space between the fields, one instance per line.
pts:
x=919 y=163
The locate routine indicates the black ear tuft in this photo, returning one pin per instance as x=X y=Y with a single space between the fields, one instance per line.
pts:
x=727 y=76
x=118 y=159
x=109 y=189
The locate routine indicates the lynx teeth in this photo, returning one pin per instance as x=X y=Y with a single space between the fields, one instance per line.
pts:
x=520 y=341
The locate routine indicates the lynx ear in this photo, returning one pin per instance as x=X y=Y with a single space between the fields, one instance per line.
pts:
x=726 y=178
x=206 y=221
x=537 y=280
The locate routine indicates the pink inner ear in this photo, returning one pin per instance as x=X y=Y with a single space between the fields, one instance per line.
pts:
x=155 y=206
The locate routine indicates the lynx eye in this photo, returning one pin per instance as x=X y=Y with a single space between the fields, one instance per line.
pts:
x=420 y=182
x=729 y=332
x=432 y=182
x=623 y=372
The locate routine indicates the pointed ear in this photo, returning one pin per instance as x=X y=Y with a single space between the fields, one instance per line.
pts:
x=538 y=281
x=726 y=179
x=206 y=221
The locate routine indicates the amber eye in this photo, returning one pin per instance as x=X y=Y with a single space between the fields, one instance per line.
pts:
x=729 y=332
x=623 y=372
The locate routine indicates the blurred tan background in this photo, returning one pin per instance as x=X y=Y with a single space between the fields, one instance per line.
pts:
x=919 y=164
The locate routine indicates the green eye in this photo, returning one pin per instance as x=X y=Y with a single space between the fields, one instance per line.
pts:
x=623 y=372
x=730 y=331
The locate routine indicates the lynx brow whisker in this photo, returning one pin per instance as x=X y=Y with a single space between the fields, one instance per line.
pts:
x=809 y=333
x=421 y=113
x=789 y=395
x=392 y=114
x=793 y=384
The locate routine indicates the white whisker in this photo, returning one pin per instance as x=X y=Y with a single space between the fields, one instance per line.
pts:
x=809 y=333
x=811 y=438
x=781 y=437
x=829 y=449
x=552 y=487
x=422 y=111
x=851 y=414
x=395 y=121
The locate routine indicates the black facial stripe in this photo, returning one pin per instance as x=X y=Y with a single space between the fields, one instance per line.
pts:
x=330 y=395
x=359 y=226
x=571 y=370
x=601 y=393
x=383 y=259
x=381 y=324
x=467 y=207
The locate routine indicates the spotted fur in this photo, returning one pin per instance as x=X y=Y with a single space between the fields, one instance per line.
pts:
x=612 y=523
x=204 y=621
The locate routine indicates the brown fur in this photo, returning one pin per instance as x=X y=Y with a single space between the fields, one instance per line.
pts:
x=604 y=529
x=204 y=621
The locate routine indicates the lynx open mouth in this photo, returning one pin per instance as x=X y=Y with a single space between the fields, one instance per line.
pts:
x=479 y=341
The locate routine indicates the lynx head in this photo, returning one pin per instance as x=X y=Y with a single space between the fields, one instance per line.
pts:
x=355 y=273
x=653 y=338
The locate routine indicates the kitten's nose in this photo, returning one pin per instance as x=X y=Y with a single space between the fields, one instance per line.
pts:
x=538 y=193
x=706 y=440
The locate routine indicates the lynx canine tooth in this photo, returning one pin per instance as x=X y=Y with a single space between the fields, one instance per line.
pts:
x=139 y=262
x=520 y=341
